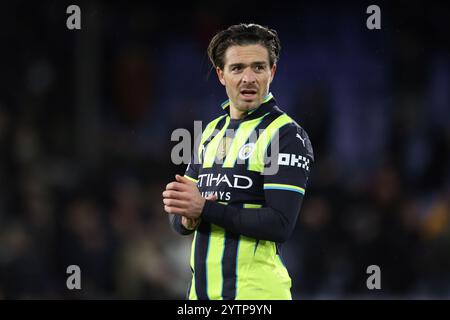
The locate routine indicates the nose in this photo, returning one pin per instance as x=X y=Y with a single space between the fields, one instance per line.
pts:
x=248 y=76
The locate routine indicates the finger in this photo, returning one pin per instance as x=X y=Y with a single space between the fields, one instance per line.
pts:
x=189 y=223
x=175 y=195
x=186 y=220
x=174 y=210
x=177 y=186
x=212 y=197
x=175 y=203
x=183 y=179
x=191 y=220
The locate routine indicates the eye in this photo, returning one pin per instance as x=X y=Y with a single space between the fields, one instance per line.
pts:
x=235 y=68
x=260 y=67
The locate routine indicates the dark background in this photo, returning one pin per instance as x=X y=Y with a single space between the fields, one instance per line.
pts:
x=86 y=118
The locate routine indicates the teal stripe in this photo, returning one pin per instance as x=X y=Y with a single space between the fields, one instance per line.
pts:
x=237 y=264
x=221 y=260
x=206 y=265
x=284 y=188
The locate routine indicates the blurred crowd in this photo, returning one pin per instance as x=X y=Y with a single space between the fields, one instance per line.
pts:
x=85 y=140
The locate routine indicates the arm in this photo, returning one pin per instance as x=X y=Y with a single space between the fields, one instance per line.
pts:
x=283 y=192
x=274 y=222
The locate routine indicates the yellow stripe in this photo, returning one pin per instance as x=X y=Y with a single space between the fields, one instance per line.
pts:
x=192 y=179
x=284 y=186
x=207 y=133
x=211 y=150
x=252 y=205
x=242 y=134
x=266 y=277
x=244 y=259
x=193 y=250
x=214 y=276
x=256 y=160
x=192 y=293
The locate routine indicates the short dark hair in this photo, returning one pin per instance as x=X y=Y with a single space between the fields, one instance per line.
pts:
x=243 y=34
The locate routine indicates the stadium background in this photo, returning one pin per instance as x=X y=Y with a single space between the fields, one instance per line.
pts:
x=86 y=118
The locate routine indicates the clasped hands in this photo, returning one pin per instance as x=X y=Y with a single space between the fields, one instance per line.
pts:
x=183 y=198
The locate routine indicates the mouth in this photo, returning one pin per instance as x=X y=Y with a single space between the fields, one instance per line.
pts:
x=248 y=93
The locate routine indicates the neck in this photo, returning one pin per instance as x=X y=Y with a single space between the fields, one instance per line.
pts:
x=236 y=113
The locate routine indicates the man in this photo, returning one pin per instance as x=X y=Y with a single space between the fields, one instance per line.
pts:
x=242 y=192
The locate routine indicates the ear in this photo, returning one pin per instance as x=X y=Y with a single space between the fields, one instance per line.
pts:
x=220 y=75
x=272 y=72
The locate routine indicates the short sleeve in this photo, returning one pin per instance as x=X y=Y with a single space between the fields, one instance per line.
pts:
x=290 y=162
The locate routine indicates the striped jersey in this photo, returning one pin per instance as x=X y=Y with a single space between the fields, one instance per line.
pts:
x=258 y=167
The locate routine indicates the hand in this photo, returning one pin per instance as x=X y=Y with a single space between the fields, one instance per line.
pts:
x=182 y=197
x=189 y=223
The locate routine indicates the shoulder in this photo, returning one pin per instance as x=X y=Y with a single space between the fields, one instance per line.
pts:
x=289 y=124
x=294 y=133
x=216 y=120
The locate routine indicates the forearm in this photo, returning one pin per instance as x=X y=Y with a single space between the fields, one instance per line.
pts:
x=268 y=223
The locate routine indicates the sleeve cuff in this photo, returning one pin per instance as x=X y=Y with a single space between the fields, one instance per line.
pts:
x=178 y=226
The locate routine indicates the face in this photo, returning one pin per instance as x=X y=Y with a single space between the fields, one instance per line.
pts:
x=246 y=76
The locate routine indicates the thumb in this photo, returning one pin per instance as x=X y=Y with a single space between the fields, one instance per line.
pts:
x=180 y=178
x=212 y=197
x=183 y=179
